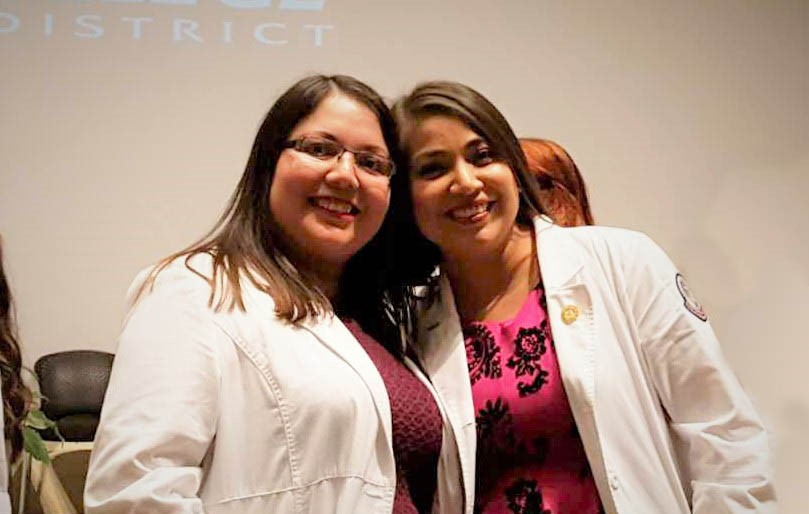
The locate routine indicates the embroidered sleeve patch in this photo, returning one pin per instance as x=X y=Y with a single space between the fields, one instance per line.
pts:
x=689 y=300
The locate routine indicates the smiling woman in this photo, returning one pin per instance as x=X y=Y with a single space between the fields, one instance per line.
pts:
x=471 y=213
x=328 y=202
x=597 y=382
x=259 y=370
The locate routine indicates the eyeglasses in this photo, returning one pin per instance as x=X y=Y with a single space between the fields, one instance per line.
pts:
x=328 y=149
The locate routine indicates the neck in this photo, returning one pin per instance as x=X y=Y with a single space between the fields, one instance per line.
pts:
x=493 y=286
x=323 y=274
x=328 y=283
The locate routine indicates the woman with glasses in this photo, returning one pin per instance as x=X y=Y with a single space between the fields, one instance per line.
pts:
x=259 y=370
x=596 y=380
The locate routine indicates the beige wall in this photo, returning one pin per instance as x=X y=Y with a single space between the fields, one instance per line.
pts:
x=688 y=119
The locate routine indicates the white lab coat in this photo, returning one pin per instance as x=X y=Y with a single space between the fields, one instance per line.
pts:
x=237 y=412
x=665 y=424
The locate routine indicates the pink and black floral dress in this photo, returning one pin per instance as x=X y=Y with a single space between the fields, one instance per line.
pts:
x=530 y=457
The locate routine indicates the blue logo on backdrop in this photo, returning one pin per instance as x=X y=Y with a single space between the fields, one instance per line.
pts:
x=178 y=26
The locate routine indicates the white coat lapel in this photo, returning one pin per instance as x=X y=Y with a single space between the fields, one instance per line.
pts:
x=330 y=331
x=442 y=354
x=570 y=313
x=334 y=334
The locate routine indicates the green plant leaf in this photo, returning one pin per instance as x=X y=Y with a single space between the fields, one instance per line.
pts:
x=37 y=419
x=57 y=432
x=33 y=444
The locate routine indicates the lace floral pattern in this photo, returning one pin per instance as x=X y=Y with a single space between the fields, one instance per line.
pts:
x=483 y=355
x=530 y=453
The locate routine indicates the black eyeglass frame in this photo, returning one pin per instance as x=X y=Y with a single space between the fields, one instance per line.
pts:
x=296 y=143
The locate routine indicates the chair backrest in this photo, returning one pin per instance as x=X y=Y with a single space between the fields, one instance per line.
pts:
x=73 y=384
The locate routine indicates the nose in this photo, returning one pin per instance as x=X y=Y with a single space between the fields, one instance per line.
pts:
x=343 y=173
x=465 y=180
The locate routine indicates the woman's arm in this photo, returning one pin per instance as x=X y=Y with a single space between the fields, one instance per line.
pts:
x=160 y=411
x=721 y=443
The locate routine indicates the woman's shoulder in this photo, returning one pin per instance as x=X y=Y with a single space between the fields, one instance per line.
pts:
x=189 y=295
x=186 y=281
x=183 y=273
x=602 y=238
x=620 y=250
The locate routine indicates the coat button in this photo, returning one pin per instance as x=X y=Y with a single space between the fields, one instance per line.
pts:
x=614 y=482
x=570 y=313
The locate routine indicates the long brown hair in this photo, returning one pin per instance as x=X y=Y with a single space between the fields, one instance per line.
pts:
x=16 y=396
x=564 y=191
x=247 y=242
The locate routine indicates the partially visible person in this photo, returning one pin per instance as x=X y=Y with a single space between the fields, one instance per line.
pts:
x=597 y=380
x=562 y=189
x=16 y=396
x=258 y=371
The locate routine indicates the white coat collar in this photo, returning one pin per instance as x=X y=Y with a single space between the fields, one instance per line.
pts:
x=560 y=264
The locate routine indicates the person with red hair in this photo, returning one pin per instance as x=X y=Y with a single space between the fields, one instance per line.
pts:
x=561 y=184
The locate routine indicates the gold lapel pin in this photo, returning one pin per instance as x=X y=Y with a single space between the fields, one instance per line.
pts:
x=569 y=314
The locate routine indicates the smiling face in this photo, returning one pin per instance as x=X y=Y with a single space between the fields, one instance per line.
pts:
x=328 y=209
x=465 y=200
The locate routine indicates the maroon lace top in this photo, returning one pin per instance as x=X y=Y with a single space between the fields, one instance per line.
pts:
x=417 y=428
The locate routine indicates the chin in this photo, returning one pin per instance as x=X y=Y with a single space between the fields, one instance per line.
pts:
x=473 y=245
x=333 y=249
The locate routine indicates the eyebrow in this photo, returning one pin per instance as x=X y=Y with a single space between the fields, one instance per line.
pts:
x=475 y=141
x=428 y=154
x=379 y=150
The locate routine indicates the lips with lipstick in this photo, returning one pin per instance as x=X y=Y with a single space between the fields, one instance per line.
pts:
x=334 y=205
x=471 y=212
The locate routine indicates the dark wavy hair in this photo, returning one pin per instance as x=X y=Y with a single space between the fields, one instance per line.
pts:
x=247 y=242
x=415 y=257
x=563 y=188
x=16 y=395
